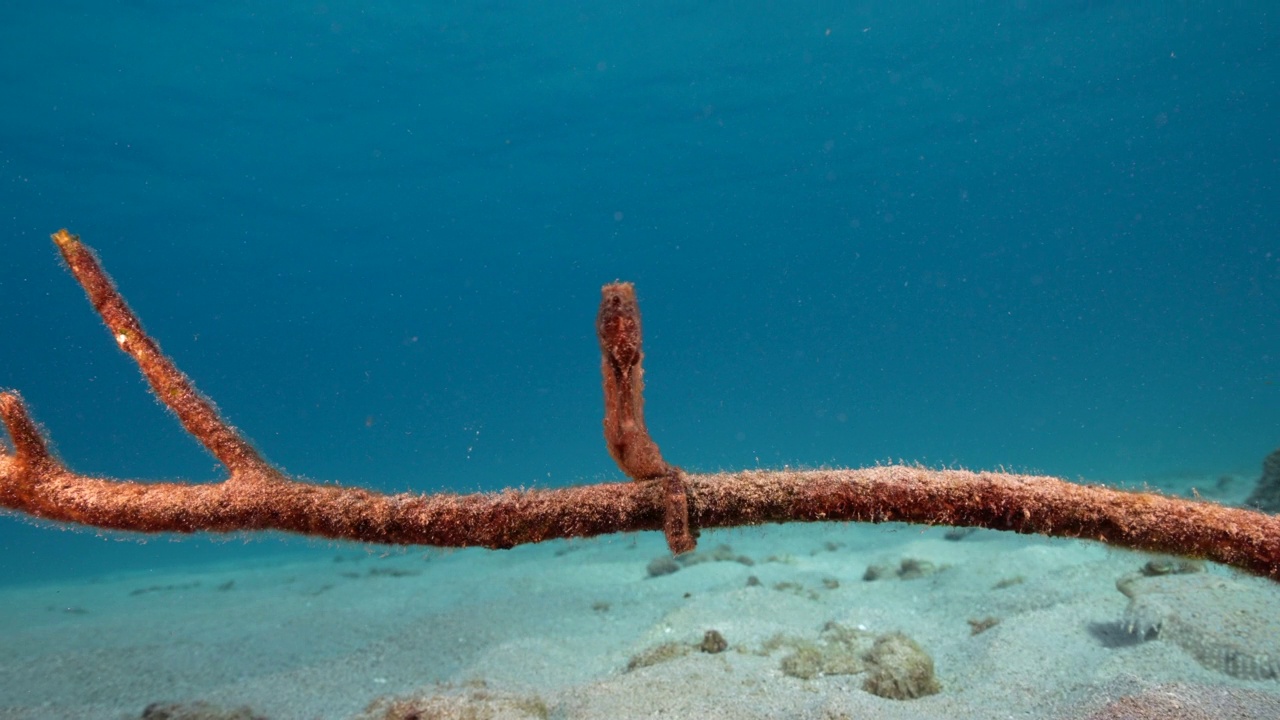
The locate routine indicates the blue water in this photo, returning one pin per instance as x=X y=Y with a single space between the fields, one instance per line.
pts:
x=1036 y=235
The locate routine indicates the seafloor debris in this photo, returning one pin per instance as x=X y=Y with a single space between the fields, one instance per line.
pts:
x=471 y=702
x=896 y=666
x=1169 y=565
x=909 y=568
x=197 y=711
x=713 y=642
x=840 y=650
x=977 y=626
x=1227 y=625
x=1266 y=494
x=661 y=653
x=666 y=564
x=899 y=669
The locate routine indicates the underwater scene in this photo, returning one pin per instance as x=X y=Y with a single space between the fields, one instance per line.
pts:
x=574 y=360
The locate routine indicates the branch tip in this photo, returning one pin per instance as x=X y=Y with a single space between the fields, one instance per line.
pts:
x=65 y=240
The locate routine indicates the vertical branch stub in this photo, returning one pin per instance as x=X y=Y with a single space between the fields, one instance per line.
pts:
x=622 y=356
x=31 y=459
x=29 y=445
x=618 y=326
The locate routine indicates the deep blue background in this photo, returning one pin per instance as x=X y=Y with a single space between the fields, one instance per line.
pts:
x=1041 y=235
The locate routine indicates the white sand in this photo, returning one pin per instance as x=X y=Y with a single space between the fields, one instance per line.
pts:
x=548 y=631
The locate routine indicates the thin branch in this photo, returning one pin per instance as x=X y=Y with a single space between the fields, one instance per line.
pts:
x=258 y=496
x=195 y=411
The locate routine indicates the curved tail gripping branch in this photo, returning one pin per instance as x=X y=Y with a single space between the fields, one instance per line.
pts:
x=258 y=496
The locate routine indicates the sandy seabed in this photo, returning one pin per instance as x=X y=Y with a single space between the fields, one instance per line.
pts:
x=567 y=629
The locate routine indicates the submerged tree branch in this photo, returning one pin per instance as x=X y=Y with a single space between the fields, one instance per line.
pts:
x=257 y=496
